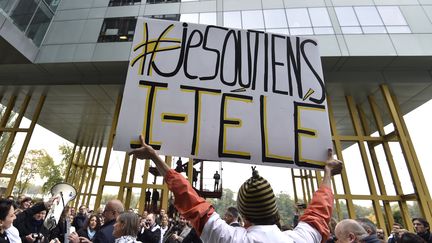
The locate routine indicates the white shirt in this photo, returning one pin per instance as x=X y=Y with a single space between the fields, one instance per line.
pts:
x=217 y=230
x=13 y=235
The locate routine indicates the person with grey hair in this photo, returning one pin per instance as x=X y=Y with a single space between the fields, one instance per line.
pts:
x=112 y=210
x=150 y=231
x=371 y=229
x=126 y=228
x=350 y=231
x=231 y=217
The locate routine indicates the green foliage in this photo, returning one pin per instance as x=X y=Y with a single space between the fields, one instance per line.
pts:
x=106 y=197
x=227 y=200
x=286 y=208
x=38 y=162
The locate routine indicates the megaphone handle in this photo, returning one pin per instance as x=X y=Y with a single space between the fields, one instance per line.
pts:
x=61 y=195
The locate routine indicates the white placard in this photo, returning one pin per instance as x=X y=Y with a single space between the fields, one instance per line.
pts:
x=223 y=94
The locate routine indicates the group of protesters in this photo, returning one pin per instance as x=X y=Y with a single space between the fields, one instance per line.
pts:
x=197 y=220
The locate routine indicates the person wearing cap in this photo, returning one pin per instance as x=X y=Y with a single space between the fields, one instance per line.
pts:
x=422 y=228
x=256 y=203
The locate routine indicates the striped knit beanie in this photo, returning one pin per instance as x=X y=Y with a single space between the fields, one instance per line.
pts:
x=256 y=200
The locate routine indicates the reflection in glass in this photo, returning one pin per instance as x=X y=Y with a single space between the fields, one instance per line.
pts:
x=123 y=2
x=7 y=5
x=190 y=18
x=298 y=17
x=319 y=17
x=162 y=1
x=117 y=29
x=39 y=24
x=368 y=16
x=253 y=19
x=275 y=18
x=53 y=4
x=301 y=31
x=346 y=16
x=207 y=18
x=174 y=17
x=351 y=30
x=23 y=13
x=232 y=19
x=391 y=15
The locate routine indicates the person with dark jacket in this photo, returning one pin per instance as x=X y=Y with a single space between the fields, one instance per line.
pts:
x=112 y=210
x=30 y=223
x=61 y=231
x=150 y=231
x=92 y=225
x=193 y=237
x=371 y=229
x=422 y=228
x=81 y=218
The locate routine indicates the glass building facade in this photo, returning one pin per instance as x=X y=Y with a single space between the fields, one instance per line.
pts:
x=31 y=16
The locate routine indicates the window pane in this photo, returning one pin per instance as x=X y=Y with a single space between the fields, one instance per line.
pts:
x=23 y=12
x=190 y=18
x=346 y=16
x=368 y=16
x=374 y=29
x=39 y=24
x=398 y=29
x=323 y=31
x=319 y=17
x=298 y=17
x=174 y=17
x=232 y=20
x=207 y=18
x=252 y=19
x=123 y=2
x=301 y=31
x=391 y=15
x=117 y=29
x=53 y=4
x=279 y=31
x=351 y=30
x=275 y=18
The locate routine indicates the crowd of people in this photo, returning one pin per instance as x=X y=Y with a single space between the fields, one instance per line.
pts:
x=22 y=221
x=255 y=218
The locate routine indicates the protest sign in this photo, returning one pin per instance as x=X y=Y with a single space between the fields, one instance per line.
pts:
x=216 y=93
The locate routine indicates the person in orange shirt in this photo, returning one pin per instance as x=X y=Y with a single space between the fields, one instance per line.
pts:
x=256 y=203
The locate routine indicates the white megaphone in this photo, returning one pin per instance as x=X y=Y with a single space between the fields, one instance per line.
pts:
x=64 y=193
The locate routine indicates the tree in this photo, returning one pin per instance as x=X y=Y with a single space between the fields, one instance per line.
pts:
x=286 y=208
x=227 y=200
x=38 y=163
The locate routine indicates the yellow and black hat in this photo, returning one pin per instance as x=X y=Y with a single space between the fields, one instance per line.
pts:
x=256 y=200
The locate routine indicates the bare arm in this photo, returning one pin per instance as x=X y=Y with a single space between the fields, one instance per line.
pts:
x=147 y=152
x=333 y=167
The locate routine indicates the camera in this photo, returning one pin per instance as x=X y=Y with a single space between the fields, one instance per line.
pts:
x=37 y=236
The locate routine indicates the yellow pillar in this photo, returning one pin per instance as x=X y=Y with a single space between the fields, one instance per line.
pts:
x=108 y=152
x=25 y=145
